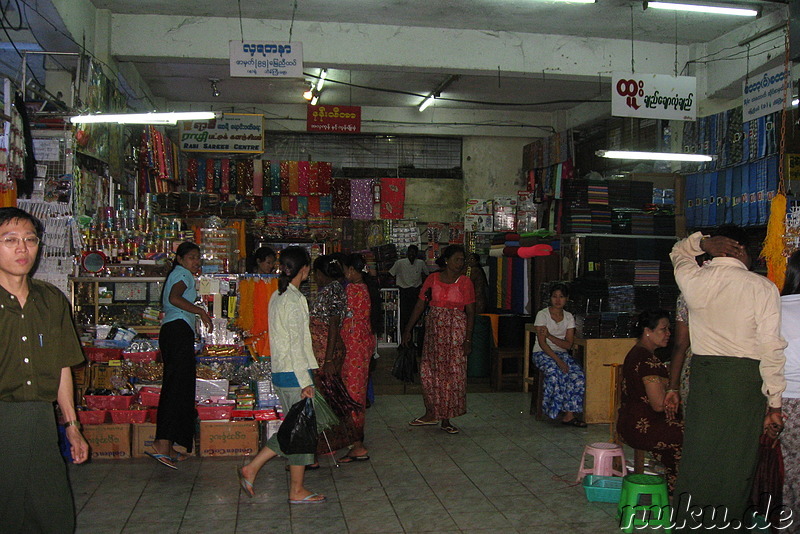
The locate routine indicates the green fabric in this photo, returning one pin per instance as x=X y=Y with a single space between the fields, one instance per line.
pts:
x=36 y=495
x=43 y=334
x=723 y=423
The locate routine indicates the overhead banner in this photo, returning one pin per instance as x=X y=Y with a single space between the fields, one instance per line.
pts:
x=241 y=133
x=333 y=119
x=763 y=94
x=653 y=96
x=265 y=59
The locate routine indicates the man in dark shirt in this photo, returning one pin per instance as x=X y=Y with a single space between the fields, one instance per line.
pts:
x=38 y=345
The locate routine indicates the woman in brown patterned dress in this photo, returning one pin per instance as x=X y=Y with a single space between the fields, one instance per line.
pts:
x=643 y=423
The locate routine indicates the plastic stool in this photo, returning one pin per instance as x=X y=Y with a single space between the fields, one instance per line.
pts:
x=657 y=513
x=603 y=464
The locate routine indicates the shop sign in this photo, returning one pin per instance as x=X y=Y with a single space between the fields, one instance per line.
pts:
x=265 y=59
x=333 y=119
x=241 y=133
x=653 y=96
x=763 y=94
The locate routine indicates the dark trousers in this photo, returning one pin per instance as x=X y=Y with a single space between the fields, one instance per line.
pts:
x=408 y=299
x=36 y=496
x=176 y=407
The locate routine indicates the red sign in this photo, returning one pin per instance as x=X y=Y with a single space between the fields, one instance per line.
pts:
x=333 y=119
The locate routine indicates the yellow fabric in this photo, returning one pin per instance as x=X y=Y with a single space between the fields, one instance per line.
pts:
x=774 y=244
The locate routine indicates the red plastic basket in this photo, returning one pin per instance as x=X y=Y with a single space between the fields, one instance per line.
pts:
x=208 y=413
x=92 y=417
x=99 y=354
x=242 y=414
x=142 y=357
x=149 y=396
x=152 y=415
x=109 y=402
x=128 y=416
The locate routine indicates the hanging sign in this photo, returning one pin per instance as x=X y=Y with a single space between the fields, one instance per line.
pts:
x=653 y=96
x=333 y=119
x=264 y=59
x=241 y=133
x=762 y=94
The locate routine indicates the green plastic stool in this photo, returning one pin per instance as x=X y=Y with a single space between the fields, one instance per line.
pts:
x=631 y=514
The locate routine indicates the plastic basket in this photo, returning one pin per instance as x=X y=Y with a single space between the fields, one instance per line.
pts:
x=602 y=489
x=149 y=396
x=128 y=416
x=92 y=417
x=142 y=357
x=109 y=402
x=210 y=413
x=242 y=414
x=99 y=354
x=152 y=415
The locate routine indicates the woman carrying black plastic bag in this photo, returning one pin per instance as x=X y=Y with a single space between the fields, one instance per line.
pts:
x=292 y=364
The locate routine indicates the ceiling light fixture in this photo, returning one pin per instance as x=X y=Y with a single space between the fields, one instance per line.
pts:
x=716 y=10
x=436 y=93
x=315 y=98
x=214 y=90
x=653 y=156
x=321 y=81
x=143 y=118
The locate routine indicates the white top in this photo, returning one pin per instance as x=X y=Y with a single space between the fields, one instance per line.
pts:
x=408 y=274
x=790 y=330
x=290 y=339
x=732 y=312
x=556 y=329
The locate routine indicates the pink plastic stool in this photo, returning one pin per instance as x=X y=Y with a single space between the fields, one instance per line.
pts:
x=603 y=464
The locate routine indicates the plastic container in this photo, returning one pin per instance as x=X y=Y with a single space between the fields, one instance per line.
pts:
x=142 y=357
x=128 y=416
x=152 y=415
x=602 y=489
x=99 y=354
x=149 y=396
x=92 y=417
x=242 y=414
x=109 y=402
x=214 y=413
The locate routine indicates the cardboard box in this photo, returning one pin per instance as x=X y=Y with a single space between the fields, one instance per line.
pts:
x=268 y=428
x=229 y=438
x=108 y=442
x=142 y=440
x=80 y=375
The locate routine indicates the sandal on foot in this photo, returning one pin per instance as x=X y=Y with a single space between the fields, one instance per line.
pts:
x=163 y=459
x=245 y=484
x=309 y=467
x=421 y=422
x=347 y=459
x=311 y=499
x=450 y=429
x=179 y=457
x=574 y=422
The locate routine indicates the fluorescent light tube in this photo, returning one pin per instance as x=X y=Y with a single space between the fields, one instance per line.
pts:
x=143 y=118
x=321 y=81
x=737 y=11
x=425 y=103
x=659 y=156
x=315 y=99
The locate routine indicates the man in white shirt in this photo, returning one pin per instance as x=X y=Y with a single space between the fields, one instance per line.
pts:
x=736 y=376
x=409 y=273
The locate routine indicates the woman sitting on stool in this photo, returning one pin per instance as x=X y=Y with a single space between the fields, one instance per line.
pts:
x=564 y=380
x=643 y=423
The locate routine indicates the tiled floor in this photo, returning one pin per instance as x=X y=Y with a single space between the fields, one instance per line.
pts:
x=505 y=472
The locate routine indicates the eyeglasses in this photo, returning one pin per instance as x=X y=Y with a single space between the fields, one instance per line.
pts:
x=13 y=242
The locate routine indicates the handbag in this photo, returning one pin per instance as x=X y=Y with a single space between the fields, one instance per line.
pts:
x=405 y=365
x=298 y=431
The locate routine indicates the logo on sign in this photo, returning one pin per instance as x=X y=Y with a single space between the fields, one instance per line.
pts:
x=631 y=89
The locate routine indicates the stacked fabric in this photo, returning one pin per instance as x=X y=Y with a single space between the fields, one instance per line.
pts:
x=601 y=221
x=621 y=298
x=620 y=272
x=642 y=224
x=646 y=272
x=598 y=193
x=641 y=194
x=619 y=193
x=579 y=221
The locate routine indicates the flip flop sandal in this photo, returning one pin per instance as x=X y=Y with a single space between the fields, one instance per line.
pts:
x=163 y=459
x=179 y=457
x=420 y=422
x=245 y=484
x=309 y=500
x=574 y=422
x=450 y=429
x=347 y=459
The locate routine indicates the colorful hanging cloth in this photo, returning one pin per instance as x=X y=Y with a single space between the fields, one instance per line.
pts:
x=393 y=198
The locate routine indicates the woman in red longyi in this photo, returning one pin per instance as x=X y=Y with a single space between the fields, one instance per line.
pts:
x=448 y=340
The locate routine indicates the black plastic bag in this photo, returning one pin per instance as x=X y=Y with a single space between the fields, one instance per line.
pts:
x=298 y=431
x=405 y=365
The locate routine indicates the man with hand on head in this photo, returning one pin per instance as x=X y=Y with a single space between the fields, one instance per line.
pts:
x=38 y=345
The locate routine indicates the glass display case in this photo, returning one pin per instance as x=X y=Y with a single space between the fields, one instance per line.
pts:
x=127 y=301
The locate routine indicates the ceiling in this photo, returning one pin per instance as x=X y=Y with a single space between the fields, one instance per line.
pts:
x=185 y=82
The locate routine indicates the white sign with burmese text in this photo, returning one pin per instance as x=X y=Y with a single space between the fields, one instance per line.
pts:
x=653 y=96
x=266 y=59
x=762 y=94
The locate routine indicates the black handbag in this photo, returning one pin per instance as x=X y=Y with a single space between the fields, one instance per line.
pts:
x=405 y=365
x=298 y=431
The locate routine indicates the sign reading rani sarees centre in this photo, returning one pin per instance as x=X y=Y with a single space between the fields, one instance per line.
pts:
x=241 y=133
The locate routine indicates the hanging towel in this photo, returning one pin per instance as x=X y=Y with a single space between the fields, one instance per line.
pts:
x=393 y=198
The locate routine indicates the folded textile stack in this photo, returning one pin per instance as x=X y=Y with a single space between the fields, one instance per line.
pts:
x=642 y=224
x=646 y=272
